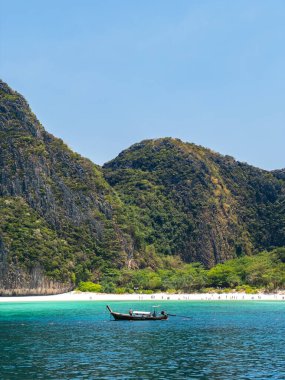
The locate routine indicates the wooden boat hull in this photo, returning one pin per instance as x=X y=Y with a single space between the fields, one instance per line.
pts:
x=127 y=317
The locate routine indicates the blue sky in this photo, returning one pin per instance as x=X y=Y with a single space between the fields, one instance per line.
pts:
x=103 y=75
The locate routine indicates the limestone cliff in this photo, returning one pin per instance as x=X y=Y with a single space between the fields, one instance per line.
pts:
x=67 y=191
x=64 y=219
x=197 y=203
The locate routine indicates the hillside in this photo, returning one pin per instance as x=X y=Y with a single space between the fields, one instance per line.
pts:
x=199 y=204
x=64 y=219
x=70 y=209
x=280 y=174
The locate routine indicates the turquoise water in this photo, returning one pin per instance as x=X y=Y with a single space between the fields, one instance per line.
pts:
x=222 y=340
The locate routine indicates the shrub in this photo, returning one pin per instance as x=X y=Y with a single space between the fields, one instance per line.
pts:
x=247 y=289
x=171 y=291
x=89 y=286
x=120 y=290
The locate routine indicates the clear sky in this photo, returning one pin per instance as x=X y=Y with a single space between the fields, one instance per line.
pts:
x=105 y=74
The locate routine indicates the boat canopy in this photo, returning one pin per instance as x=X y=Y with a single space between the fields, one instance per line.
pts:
x=141 y=312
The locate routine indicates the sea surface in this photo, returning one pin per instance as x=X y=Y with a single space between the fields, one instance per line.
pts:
x=77 y=340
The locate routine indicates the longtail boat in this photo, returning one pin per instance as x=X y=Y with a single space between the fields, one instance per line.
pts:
x=138 y=315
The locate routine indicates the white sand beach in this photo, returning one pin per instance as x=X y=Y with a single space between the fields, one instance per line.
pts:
x=78 y=296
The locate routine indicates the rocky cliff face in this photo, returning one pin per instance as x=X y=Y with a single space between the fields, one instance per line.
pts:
x=16 y=281
x=197 y=203
x=279 y=173
x=67 y=191
x=64 y=219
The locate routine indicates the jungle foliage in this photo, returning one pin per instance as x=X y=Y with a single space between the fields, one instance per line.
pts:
x=198 y=204
x=143 y=220
x=264 y=271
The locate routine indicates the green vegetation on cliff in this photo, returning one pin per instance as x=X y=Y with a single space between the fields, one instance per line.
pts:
x=159 y=203
x=197 y=204
x=68 y=193
x=28 y=239
x=264 y=271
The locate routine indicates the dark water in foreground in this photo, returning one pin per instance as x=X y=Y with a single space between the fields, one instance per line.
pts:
x=222 y=340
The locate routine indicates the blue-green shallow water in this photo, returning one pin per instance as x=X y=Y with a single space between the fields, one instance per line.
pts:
x=222 y=340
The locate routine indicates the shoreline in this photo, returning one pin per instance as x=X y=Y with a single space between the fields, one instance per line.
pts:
x=87 y=296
